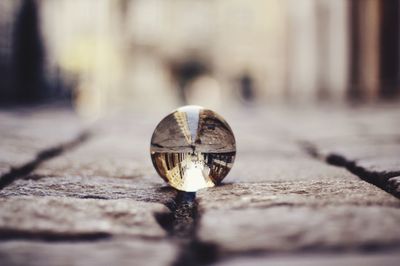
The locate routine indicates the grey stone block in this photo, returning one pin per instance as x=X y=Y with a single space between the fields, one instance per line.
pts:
x=66 y=217
x=99 y=253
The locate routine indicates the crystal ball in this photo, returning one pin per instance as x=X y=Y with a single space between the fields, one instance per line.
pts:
x=193 y=148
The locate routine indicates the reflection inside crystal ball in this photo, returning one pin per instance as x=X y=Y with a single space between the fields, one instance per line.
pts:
x=193 y=148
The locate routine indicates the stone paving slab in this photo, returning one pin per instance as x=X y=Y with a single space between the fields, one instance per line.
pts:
x=25 y=133
x=365 y=141
x=377 y=162
x=99 y=253
x=114 y=148
x=105 y=153
x=251 y=168
x=298 y=215
x=286 y=228
x=313 y=193
x=69 y=217
x=374 y=259
x=373 y=155
x=89 y=187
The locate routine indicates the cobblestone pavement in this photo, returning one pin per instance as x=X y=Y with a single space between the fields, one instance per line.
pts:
x=310 y=186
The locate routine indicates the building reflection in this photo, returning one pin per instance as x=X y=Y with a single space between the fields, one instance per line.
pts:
x=203 y=169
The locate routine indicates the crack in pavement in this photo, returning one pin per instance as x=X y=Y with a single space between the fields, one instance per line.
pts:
x=12 y=234
x=389 y=181
x=182 y=224
x=42 y=156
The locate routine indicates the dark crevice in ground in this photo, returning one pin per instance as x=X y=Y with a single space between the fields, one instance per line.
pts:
x=94 y=197
x=379 y=179
x=386 y=180
x=12 y=234
x=44 y=155
x=181 y=224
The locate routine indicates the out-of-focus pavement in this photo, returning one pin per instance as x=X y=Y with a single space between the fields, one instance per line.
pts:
x=310 y=186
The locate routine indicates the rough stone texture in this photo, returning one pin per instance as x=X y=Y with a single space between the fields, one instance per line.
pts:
x=281 y=200
x=24 y=133
x=271 y=142
x=373 y=155
x=68 y=217
x=311 y=193
x=88 y=187
x=262 y=167
x=365 y=141
x=121 y=252
x=298 y=215
x=95 y=203
x=387 y=259
x=278 y=229
x=376 y=163
x=103 y=155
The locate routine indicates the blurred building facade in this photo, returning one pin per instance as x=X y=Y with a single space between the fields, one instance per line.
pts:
x=154 y=53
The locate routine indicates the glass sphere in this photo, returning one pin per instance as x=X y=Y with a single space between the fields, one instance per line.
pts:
x=193 y=148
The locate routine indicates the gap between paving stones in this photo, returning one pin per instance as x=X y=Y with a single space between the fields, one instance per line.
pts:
x=389 y=181
x=12 y=234
x=181 y=224
x=42 y=156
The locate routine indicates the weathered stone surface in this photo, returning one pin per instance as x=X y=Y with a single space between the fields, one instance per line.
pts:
x=24 y=133
x=102 y=155
x=68 y=216
x=333 y=122
x=374 y=259
x=264 y=168
x=89 y=187
x=270 y=144
x=365 y=141
x=132 y=252
x=373 y=156
x=276 y=199
x=294 y=193
x=116 y=149
x=374 y=163
x=310 y=213
x=301 y=228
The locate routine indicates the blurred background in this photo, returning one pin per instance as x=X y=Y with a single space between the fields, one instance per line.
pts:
x=100 y=56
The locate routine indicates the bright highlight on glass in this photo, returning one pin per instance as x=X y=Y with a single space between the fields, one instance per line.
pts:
x=193 y=148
